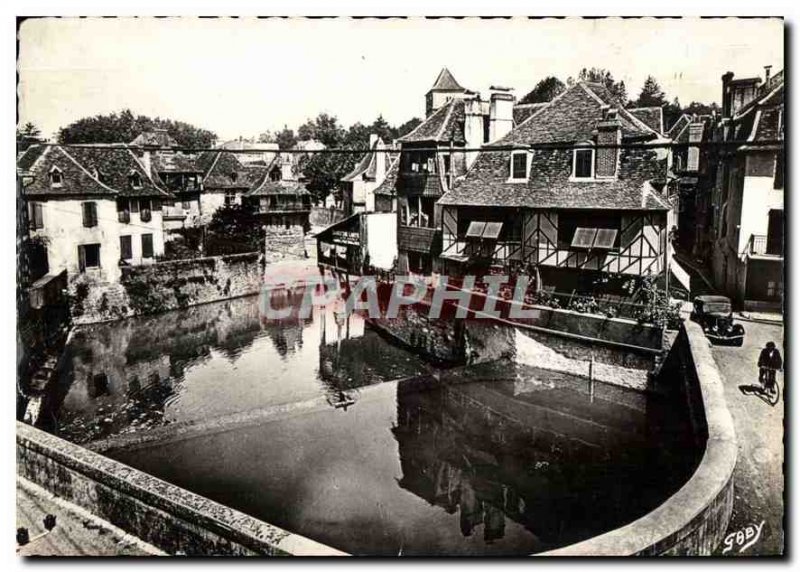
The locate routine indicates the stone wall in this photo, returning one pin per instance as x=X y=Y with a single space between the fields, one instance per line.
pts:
x=163 y=515
x=693 y=521
x=166 y=286
x=284 y=243
x=321 y=216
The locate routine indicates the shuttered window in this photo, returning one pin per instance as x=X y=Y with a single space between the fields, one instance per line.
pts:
x=147 y=246
x=35 y=218
x=88 y=256
x=145 y=214
x=778 y=181
x=124 y=210
x=89 y=214
x=125 y=247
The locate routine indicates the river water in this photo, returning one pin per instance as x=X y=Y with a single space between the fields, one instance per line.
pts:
x=361 y=445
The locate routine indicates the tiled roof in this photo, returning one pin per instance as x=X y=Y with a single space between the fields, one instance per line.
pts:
x=569 y=118
x=225 y=171
x=29 y=156
x=572 y=117
x=653 y=117
x=446 y=82
x=175 y=162
x=444 y=124
x=525 y=111
x=154 y=138
x=549 y=186
x=388 y=186
x=88 y=171
x=366 y=166
x=265 y=187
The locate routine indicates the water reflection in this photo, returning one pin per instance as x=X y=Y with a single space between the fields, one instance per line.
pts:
x=214 y=360
x=513 y=465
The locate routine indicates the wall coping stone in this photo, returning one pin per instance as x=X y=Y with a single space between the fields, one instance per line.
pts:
x=232 y=525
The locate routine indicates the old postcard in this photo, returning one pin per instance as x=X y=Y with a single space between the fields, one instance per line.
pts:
x=400 y=286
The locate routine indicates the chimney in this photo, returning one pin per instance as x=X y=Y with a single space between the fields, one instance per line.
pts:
x=475 y=134
x=380 y=156
x=286 y=167
x=726 y=94
x=609 y=132
x=766 y=74
x=501 y=112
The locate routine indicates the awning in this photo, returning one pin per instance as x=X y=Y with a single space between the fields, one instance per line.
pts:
x=487 y=230
x=594 y=238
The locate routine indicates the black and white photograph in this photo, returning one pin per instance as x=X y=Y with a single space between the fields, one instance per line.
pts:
x=400 y=287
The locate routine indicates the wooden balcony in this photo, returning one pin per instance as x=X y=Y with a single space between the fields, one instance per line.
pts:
x=758 y=245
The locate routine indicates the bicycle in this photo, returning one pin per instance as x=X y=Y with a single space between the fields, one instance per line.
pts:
x=764 y=375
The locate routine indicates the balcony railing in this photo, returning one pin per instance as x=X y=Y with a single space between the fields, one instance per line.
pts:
x=759 y=245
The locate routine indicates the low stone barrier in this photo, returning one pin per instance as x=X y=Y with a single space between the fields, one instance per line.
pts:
x=169 y=285
x=163 y=515
x=694 y=520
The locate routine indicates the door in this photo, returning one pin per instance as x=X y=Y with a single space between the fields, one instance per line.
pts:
x=775 y=232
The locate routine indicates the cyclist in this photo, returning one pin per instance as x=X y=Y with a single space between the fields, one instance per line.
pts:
x=769 y=361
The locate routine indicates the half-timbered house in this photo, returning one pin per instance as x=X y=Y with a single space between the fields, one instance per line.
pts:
x=584 y=211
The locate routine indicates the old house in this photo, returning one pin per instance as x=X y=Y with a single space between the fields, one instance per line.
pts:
x=250 y=152
x=441 y=149
x=358 y=186
x=96 y=207
x=225 y=181
x=748 y=221
x=576 y=214
x=694 y=170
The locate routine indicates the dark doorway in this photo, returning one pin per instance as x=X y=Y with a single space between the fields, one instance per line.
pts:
x=775 y=232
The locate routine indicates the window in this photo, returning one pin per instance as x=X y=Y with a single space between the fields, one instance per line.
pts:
x=35 y=219
x=88 y=256
x=145 y=214
x=519 y=166
x=187 y=205
x=98 y=385
x=124 y=210
x=275 y=175
x=89 y=214
x=230 y=198
x=56 y=178
x=583 y=164
x=778 y=180
x=135 y=180
x=233 y=176
x=589 y=229
x=147 y=246
x=125 y=247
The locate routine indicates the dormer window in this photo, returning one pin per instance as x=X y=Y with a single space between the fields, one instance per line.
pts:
x=233 y=176
x=583 y=162
x=135 y=180
x=519 y=165
x=56 y=177
x=275 y=175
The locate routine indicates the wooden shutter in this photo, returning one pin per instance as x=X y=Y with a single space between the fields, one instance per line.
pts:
x=125 y=247
x=147 y=246
x=81 y=258
x=89 y=214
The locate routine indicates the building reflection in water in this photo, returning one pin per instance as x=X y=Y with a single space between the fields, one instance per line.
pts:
x=558 y=460
x=132 y=375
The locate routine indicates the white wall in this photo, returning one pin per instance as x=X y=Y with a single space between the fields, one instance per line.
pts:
x=381 y=238
x=64 y=231
x=211 y=202
x=758 y=198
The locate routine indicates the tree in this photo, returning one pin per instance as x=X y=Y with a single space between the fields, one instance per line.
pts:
x=545 y=90
x=27 y=135
x=604 y=77
x=233 y=228
x=697 y=108
x=324 y=128
x=124 y=127
x=408 y=126
x=651 y=94
x=285 y=138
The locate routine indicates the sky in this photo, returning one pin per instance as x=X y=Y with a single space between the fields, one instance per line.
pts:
x=241 y=77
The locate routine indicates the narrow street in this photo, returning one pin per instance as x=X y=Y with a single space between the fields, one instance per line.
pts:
x=759 y=479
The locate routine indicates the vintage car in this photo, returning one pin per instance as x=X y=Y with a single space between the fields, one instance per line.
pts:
x=715 y=315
